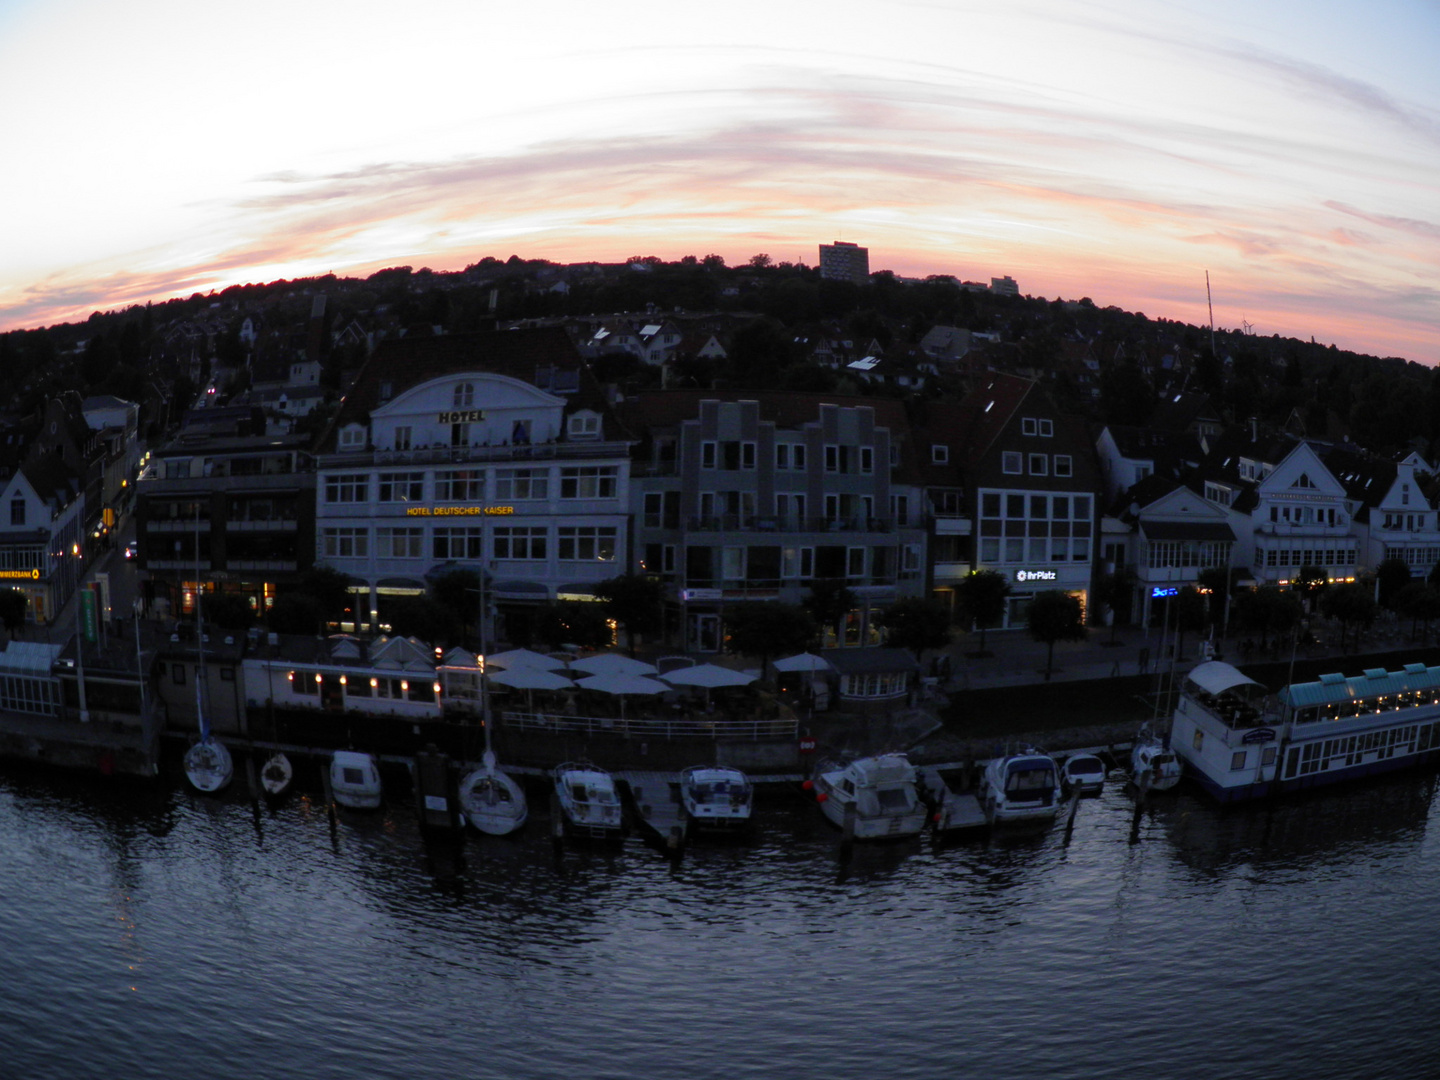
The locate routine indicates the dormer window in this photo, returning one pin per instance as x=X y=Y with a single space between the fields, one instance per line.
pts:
x=464 y=395
x=352 y=437
x=387 y=390
x=584 y=424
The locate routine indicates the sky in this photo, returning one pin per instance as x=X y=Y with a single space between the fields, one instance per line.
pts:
x=1115 y=150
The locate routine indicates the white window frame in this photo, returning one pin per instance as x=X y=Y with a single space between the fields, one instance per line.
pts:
x=1012 y=463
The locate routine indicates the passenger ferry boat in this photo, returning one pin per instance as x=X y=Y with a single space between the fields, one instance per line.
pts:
x=1238 y=743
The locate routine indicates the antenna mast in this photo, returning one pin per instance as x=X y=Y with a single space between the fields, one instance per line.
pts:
x=1211 y=305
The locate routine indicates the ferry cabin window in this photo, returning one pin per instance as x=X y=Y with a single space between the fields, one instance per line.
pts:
x=1237 y=760
x=1199 y=740
x=1267 y=756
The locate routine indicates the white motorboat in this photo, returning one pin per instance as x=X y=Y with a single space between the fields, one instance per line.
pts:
x=276 y=775
x=879 y=794
x=1239 y=742
x=355 y=780
x=1021 y=787
x=589 y=803
x=491 y=800
x=716 y=797
x=1083 y=774
x=1153 y=765
x=208 y=764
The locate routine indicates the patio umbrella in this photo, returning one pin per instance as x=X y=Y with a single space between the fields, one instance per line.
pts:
x=530 y=680
x=804 y=662
x=612 y=664
x=622 y=686
x=524 y=658
x=708 y=676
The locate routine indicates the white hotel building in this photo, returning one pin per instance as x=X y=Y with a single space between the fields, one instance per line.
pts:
x=494 y=451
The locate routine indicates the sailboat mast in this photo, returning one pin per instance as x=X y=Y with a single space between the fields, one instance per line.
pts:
x=199 y=634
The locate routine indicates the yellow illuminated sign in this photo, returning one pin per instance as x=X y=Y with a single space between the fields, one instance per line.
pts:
x=28 y=575
x=457 y=511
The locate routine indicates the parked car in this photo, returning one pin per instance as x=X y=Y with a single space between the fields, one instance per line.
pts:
x=131 y=548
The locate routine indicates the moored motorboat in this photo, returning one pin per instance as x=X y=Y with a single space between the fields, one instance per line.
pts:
x=1021 y=787
x=716 y=797
x=1153 y=764
x=1083 y=774
x=355 y=780
x=589 y=803
x=1238 y=742
x=276 y=775
x=492 y=800
x=872 y=798
x=208 y=765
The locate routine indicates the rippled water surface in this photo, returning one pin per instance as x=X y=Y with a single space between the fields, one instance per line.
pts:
x=148 y=934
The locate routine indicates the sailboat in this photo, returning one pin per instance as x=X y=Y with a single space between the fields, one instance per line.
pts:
x=491 y=800
x=207 y=763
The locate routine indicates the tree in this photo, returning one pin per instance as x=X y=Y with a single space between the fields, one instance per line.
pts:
x=917 y=625
x=1419 y=602
x=229 y=611
x=13 y=603
x=1190 y=612
x=980 y=600
x=1392 y=575
x=635 y=602
x=572 y=622
x=1353 y=605
x=829 y=601
x=1268 y=609
x=1114 y=590
x=458 y=590
x=329 y=588
x=1308 y=581
x=768 y=629
x=296 y=613
x=1055 y=616
x=423 y=617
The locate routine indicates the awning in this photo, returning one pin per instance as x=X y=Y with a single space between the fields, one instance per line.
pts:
x=532 y=591
x=1216 y=677
x=1186 y=530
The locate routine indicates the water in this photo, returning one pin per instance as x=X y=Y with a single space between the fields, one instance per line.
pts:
x=146 y=934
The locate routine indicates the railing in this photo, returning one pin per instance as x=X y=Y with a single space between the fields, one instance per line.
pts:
x=737 y=587
x=425 y=455
x=789 y=523
x=683 y=727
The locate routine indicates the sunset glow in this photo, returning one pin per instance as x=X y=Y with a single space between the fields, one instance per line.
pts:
x=1115 y=150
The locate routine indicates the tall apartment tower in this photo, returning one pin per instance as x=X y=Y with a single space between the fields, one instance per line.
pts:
x=845 y=262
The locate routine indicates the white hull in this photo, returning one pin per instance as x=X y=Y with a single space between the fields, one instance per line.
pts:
x=876 y=797
x=1020 y=789
x=1154 y=766
x=716 y=799
x=208 y=765
x=355 y=780
x=276 y=775
x=589 y=802
x=492 y=801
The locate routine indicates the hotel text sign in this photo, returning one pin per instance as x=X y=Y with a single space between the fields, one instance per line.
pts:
x=462 y=416
x=457 y=511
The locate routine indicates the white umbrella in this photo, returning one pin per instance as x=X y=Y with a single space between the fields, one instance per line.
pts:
x=524 y=658
x=707 y=675
x=530 y=679
x=804 y=662
x=612 y=664
x=523 y=678
x=622 y=686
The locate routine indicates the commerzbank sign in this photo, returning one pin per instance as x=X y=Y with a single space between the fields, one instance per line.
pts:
x=27 y=575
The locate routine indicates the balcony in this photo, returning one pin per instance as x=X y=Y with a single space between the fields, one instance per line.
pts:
x=262 y=525
x=778 y=523
x=442 y=455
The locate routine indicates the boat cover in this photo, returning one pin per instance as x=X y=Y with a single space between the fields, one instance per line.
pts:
x=1216 y=677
